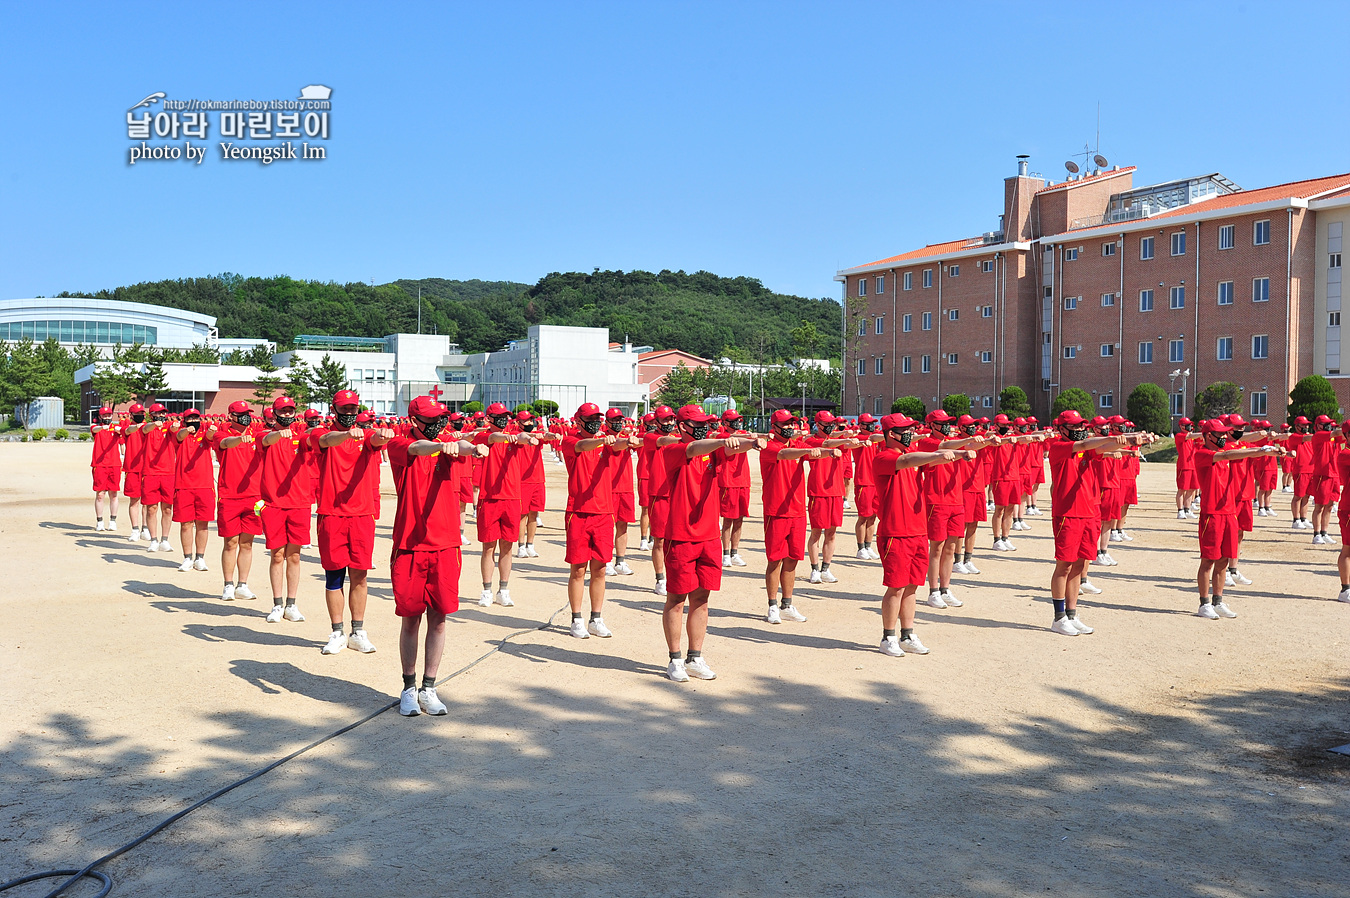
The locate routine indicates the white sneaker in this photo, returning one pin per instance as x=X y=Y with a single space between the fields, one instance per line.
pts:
x=274 y=616
x=1086 y=586
x=890 y=645
x=1115 y=537
x=1002 y=546
x=186 y=565
x=863 y=553
x=1228 y=579
x=775 y=617
x=112 y=525
x=1261 y=513
x=1297 y=525
x=1064 y=627
x=726 y=561
x=660 y=589
x=876 y=556
x=135 y=536
x=597 y=628
x=971 y=568
x=791 y=613
x=1207 y=612
x=1082 y=628
x=1125 y=535
x=1100 y=560
x=1317 y=539
x=914 y=646
x=337 y=641
x=644 y=545
x=815 y=576
x=935 y=599
x=699 y=668
x=292 y=614
x=611 y=572
x=1344 y=596
x=243 y=592
x=530 y=551
x=737 y=560
x=98 y=525
x=847 y=506
x=622 y=569
x=227 y=595
x=361 y=642
x=504 y=598
x=1182 y=515
x=430 y=702
x=407 y=701
x=828 y=577
x=145 y=533
x=485 y=598
x=464 y=540
x=153 y=547
x=950 y=599
x=199 y=564
x=959 y=567
x=1224 y=610
x=579 y=629
x=675 y=671
x=521 y=553
x=1111 y=561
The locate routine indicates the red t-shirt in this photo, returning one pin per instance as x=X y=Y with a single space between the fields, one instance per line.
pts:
x=106 y=442
x=1074 y=492
x=1006 y=462
x=734 y=471
x=241 y=467
x=134 y=442
x=288 y=473
x=1322 y=458
x=349 y=477
x=942 y=484
x=644 y=458
x=161 y=451
x=621 y=471
x=1107 y=470
x=783 y=480
x=590 y=483
x=501 y=468
x=692 y=487
x=1185 y=451
x=193 y=469
x=902 y=510
x=1302 y=445
x=427 y=516
x=1216 y=483
x=658 y=481
x=531 y=463
x=1343 y=471
x=826 y=477
x=864 y=474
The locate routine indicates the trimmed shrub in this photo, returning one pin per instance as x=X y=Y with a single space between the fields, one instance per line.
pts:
x=1073 y=398
x=1222 y=398
x=84 y=436
x=40 y=434
x=1012 y=401
x=956 y=404
x=62 y=434
x=1312 y=396
x=1147 y=408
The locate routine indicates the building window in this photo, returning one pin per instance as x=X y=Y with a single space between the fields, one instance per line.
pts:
x=1145 y=249
x=951 y=358
x=1225 y=293
x=988 y=402
x=928 y=277
x=862 y=367
x=1178 y=298
x=1334 y=260
x=1333 y=319
x=1146 y=300
x=986 y=356
x=1226 y=239
x=1261 y=346
x=1146 y=353
x=905 y=366
x=1070 y=303
x=1108 y=299
x=1179 y=243
x=1106 y=400
x=1070 y=352
x=876 y=406
x=987 y=266
x=1176 y=350
x=881 y=284
x=1225 y=350
x=928 y=321
x=907 y=323
x=862 y=286
x=1108 y=350
x=925 y=364
x=987 y=312
x=909 y=280
x=1259 y=404
x=953 y=271
x=1108 y=249
x=1261 y=233
x=1261 y=290
x=1071 y=255
x=862 y=327
x=880 y=365
x=953 y=314
x=881 y=325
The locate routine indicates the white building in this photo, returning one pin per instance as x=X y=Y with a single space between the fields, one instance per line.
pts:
x=104 y=323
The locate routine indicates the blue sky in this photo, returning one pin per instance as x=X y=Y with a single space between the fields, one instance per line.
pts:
x=503 y=141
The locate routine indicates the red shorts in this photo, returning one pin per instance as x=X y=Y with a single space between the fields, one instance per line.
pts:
x=533 y=497
x=1324 y=490
x=1343 y=518
x=590 y=537
x=659 y=515
x=131 y=485
x=1129 y=493
x=784 y=538
x=1187 y=479
x=734 y=502
x=1007 y=493
x=692 y=566
x=1028 y=483
x=1303 y=485
x=498 y=519
x=946 y=521
x=1076 y=539
x=974 y=507
x=1111 y=503
x=1246 y=520
x=1038 y=473
x=466 y=490
x=1285 y=462
x=1218 y=536
x=285 y=526
x=625 y=511
x=157 y=489
x=477 y=473
x=107 y=478
x=865 y=500
x=193 y=505
x=346 y=541
x=425 y=581
x=236 y=516
x=1267 y=475
x=825 y=512
x=904 y=561
x=644 y=494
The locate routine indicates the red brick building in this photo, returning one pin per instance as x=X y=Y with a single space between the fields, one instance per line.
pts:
x=1096 y=284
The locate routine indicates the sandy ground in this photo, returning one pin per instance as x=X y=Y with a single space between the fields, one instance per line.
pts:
x=1164 y=755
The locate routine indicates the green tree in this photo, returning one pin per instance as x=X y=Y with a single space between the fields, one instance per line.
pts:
x=254 y=355
x=956 y=404
x=910 y=407
x=678 y=387
x=329 y=377
x=1012 y=401
x=471 y=407
x=523 y=407
x=149 y=381
x=805 y=340
x=1147 y=407
x=1312 y=396
x=299 y=384
x=1073 y=398
x=1221 y=398
x=113 y=382
x=28 y=375
x=545 y=408
x=199 y=354
x=266 y=384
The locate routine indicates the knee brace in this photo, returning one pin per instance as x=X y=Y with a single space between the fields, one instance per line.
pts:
x=335 y=580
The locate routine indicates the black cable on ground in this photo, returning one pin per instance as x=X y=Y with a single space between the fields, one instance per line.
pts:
x=91 y=871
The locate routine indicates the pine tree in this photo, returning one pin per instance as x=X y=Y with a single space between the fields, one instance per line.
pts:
x=266 y=384
x=328 y=379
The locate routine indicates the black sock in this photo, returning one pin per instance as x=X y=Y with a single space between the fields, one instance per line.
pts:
x=290 y=601
x=967 y=558
x=428 y=682
x=576 y=615
x=1071 y=613
x=1205 y=600
x=337 y=627
x=595 y=615
x=277 y=600
x=824 y=566
x=773 y=603
x=906 y=632
x=409 y=681
x=674 y=656
x=887 y=634
x=1345 y=586
x=358 y=625
x=693 y=655
x=618 y=559
x=1059 y=608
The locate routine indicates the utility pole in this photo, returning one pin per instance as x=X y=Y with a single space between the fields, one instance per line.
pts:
x=419 y=310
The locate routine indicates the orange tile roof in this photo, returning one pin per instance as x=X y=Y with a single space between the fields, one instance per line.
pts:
x=1291 y=190
x=1088 y=179
x=932 y=249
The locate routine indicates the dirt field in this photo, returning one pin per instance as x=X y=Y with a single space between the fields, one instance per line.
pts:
x=1165 y=755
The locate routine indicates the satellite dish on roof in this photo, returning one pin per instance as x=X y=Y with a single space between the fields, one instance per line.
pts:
x=1099 y=160
x=1072 y=167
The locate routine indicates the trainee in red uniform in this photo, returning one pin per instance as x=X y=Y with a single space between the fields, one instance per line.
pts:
x=240 y=482
x=944 y=492
x=159 y=467
x=590 y=502
x=693 y=530
x=825 y=486
x=133 y=464
x=287 y=489
x=499 y=509
x=106 y=461
x=902 y=523
x=349 y=479
x=426 y=562
x=1218 y=506
x=194 y=494
x=733 y=480
x=1075 y=502
x=783 y=482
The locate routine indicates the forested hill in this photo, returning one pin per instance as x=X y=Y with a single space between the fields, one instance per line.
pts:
x=701 y=312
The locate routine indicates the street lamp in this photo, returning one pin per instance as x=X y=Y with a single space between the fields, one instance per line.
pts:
x=803 y=386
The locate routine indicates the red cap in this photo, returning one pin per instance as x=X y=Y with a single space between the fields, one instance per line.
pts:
x=240 y=407
x=613 y=413
x=782 y=416
x=1185 y=421
x=664 y=411
x=283 y=402
x=1235 y=420
x=456 y=418
x=825 y=416
x=1001 y=418
x=731 y=415
x=135 y=409
x=497 y=408
x=1117 y=419
x=312 y=413
x=426 y=407
x=192 y=413
x=1020 y=421
x=965 y=421
x=984 y=420
x=105 y=410
x=693 y=414
x=895 y=419
x=1323 y=419
x=649 y=418
x=865 y=418
x=938 y=416
x=1067 y=418
x=1284 y=426
x=364 y=418
x=524 y=415
x=346 y=397
x=587 y=410
x=1214 y=425
x=1301 y=420
x=156 y=408
x=1031 y=419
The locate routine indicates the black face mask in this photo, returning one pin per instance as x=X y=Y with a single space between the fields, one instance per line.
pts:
x=1325 y=428
x=944 y=429
x=138 y=419
x=591 y=425
x=1239 y=431
x=615 y=426
x=700 y=431
x=650 y=428
x=346 y=420
x=284 y=421
x=192 y=423
x=365 y=425
x=431 y=429
x=970 y=430
x=500 y=420
x=906 y=438
x=243 y=420
x=1220 y=439
x=867 y=428
x=160 y=419
x=1004 y=431
x=666 y=426
x=827 y=429
x=1076 y=434
x=785 y=433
